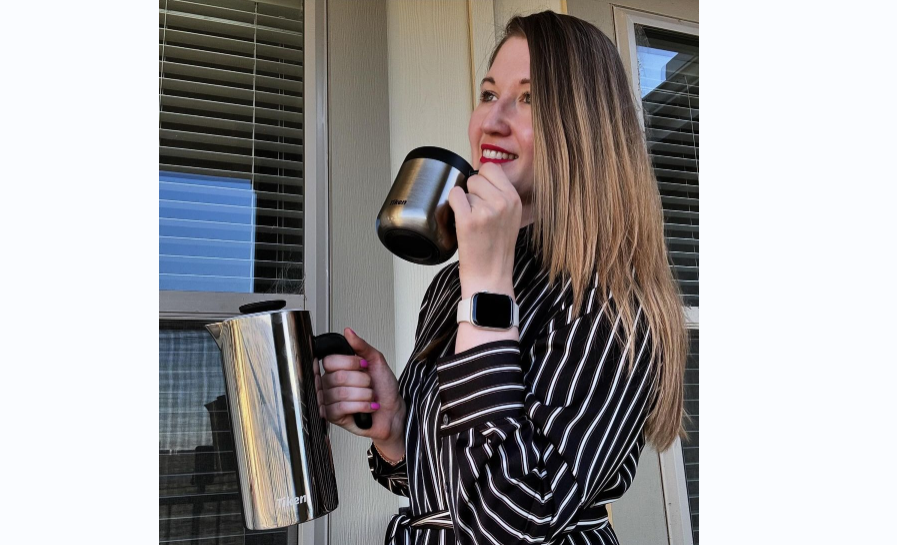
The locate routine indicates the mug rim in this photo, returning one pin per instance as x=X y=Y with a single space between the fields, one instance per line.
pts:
x=441 y=154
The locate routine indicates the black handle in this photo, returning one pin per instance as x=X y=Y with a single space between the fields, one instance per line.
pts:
x=327 y=344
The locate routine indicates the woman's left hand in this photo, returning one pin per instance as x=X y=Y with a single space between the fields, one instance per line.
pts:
x=487 y=220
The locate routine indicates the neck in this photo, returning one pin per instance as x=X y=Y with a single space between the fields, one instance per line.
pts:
x=526 y=217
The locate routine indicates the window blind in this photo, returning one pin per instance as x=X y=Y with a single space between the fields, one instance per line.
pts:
x=199 y=492
x=668 y=78
x=690 y=447
x=231 y=123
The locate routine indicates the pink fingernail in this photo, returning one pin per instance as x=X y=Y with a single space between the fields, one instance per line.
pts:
x=375 y=405
x=363 y=363
x=351 y=331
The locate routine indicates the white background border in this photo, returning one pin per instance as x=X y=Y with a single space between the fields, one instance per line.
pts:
x=796 y=259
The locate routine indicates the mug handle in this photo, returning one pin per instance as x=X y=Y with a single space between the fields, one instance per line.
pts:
x=328 y=344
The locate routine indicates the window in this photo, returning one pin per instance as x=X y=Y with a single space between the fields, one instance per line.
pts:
x=662 y=57
x=668 y=87
x=230 y=147
x=240 y=220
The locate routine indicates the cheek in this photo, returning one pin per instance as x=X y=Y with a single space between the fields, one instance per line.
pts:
x=474 y=132
x=528 y=146
x=528 y=142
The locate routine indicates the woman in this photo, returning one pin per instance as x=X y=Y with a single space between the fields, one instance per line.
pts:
x=525 y=433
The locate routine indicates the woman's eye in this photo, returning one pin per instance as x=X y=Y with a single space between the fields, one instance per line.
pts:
x=489 y=96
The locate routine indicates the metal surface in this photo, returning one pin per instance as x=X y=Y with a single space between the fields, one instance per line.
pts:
x=416 y=221
x=284 y=459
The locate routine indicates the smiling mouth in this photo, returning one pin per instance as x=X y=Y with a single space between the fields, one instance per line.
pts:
x=492 y=156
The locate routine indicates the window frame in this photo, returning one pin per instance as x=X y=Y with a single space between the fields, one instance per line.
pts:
x=672 y=464
x=625 y=20
x=317 y=195
x=193 y=305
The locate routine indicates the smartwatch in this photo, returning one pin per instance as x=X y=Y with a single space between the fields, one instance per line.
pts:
x=489 y=311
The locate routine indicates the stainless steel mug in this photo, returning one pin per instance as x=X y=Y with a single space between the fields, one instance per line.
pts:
x=284 y=459
x=416 y=222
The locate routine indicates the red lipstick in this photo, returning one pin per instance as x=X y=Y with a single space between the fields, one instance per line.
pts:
x=484 y=159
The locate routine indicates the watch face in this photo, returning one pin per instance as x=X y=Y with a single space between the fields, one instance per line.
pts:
x=491 y=310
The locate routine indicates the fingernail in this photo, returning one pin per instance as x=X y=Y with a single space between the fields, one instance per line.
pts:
x=363 y=363
x=351 y=331
x=375 y=405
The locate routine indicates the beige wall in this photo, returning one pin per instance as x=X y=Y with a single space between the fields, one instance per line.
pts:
x=505 y=9
x=361 y=270
x=429 y=82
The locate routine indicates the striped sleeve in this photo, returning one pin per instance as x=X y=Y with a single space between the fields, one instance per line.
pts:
x=393 y=477
x=533 y=438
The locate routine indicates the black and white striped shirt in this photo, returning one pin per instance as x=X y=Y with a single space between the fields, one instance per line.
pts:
x=519 y=442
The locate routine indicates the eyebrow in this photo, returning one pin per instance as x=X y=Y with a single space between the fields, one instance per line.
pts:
x=524 y=81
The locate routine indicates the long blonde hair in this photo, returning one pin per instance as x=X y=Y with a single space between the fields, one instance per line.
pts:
x=596 y=204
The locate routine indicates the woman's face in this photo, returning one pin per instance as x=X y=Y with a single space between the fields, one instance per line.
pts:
x=502 y=121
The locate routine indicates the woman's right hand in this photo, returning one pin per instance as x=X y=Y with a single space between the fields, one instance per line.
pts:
x=348 y=387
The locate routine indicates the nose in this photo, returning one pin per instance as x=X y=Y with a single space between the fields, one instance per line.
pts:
x=496 y=120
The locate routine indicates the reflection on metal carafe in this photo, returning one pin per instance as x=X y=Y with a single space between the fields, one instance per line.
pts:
x=283 y=453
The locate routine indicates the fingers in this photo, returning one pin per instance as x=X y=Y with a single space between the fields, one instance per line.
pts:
x=319 y=389
x=487 y=203
x=347 y=393
x=484 y=188
x=338 y=362
x=490 y=193
x=361 y=346
x=343 y=410
x=497 y=178
x=358 y=379
x=460 y=205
